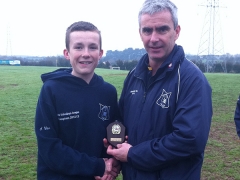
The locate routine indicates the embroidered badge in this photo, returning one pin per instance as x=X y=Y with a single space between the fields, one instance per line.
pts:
x=133 y=92
x=163 y=100
x=104 y=112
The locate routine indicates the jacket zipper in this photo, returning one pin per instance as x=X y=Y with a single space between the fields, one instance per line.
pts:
x=144 y=96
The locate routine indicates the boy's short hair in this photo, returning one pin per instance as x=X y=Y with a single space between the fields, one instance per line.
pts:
x=81 y=26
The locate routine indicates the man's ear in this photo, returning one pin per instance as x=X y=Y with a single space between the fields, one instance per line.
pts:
x=140 y=33
x=178 y=29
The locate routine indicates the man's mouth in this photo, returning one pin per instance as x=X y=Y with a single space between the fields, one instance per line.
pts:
x=155 y=47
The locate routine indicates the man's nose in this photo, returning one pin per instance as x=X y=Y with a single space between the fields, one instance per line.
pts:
x=154 y=36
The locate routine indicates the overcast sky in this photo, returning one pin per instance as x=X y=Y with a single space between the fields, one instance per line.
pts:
x=37 y=27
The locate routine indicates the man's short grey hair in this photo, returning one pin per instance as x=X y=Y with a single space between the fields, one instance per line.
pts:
x=154 y=6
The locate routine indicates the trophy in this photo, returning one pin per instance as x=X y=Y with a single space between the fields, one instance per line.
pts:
x=115 y=133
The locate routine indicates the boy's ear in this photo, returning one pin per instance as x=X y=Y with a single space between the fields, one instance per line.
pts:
x=66 y=54
x=100 y=54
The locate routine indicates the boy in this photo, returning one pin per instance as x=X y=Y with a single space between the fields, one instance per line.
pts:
x=73 y=110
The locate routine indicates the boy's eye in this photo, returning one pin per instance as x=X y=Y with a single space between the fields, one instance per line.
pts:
x=93 y=47
x=78 y=47
x=147 y=31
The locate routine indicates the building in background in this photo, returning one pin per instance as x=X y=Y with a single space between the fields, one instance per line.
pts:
x=10 y=62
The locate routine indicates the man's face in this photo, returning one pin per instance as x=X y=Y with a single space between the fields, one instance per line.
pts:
x=84 y=53
x=158 y=35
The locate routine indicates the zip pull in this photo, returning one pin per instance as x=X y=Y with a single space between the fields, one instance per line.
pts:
x=144 y=97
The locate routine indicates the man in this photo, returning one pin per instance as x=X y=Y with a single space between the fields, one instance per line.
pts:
x=74 y=108
x=237 y=117
x=165 y=104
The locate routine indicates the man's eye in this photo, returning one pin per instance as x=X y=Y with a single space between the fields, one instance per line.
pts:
x=162 y=30
x=147 y=31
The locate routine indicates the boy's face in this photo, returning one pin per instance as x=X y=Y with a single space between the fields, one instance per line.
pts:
x=84 y=53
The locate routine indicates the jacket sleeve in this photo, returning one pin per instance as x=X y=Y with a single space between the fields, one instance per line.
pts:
x=237 y=117
x=52 y=152
x=191 y=124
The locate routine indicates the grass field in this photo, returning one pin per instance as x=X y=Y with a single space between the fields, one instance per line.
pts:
x=19 y=90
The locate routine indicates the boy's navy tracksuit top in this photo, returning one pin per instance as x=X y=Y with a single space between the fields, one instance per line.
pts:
x=70 y=124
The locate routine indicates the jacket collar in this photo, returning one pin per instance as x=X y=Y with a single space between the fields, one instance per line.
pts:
x=174 y=59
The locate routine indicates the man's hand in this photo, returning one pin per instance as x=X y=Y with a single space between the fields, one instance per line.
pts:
x=121 y=152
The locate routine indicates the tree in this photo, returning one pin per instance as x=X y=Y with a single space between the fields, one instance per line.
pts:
x=236 y=67
x=120 y=63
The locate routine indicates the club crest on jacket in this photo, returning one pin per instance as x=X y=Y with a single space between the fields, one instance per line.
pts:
x=163 y=100
x=104 y=112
